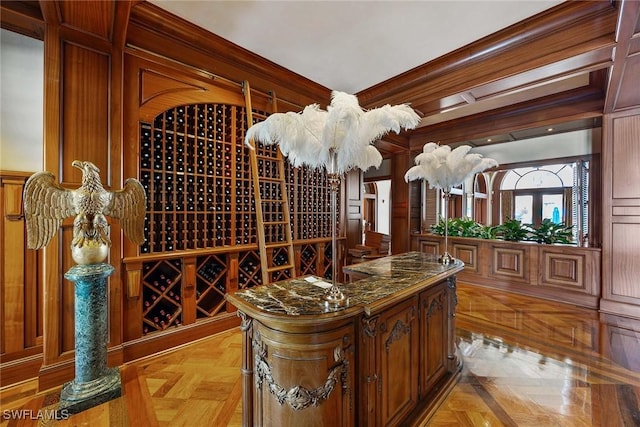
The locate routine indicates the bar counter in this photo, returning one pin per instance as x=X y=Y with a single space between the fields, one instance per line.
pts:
x=387 y=357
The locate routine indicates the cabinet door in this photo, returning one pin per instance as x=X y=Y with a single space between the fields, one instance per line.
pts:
x=433 y=337
x=397 y=352
x=303 y=379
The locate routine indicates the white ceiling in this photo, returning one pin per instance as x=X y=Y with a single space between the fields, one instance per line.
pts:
x=353 y=45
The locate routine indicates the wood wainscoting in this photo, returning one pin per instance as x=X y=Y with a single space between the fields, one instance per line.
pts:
x=21 y=301
x=561 y=273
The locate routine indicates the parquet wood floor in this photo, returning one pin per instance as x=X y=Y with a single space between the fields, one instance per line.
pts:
x=527 y=362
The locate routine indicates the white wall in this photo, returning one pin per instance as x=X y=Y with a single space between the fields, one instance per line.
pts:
x=21 y=99
x=384 y=206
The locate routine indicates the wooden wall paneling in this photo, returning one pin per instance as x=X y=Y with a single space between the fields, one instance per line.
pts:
x=620 y=219
x=132 y=303
x=52 y=129
x=232 y=277
x=429 y=247
x=97 y=19
x=625 y=155
x=12 y=267
x=622 y=85
x=595 y=198
x=415 y=208
x=467 y=254
x=118 y=280
x=564 y=273
x=188 y=289
x=85 y=117
x=78 y=124
x=563 y=270
x=400 y=202
x=625 y=237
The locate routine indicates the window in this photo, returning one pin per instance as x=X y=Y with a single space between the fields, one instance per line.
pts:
x=555 y=192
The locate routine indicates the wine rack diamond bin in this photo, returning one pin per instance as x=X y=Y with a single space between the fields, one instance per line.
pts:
x=161 y=295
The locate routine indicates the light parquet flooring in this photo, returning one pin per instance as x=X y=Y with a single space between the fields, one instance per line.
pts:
x=527 y=362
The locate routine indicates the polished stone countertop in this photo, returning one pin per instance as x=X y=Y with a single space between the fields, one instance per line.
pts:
x=386 y=276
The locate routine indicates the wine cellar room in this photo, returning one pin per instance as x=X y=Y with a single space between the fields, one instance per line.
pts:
x=144 y=94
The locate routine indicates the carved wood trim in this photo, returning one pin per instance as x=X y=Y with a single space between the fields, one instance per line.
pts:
x=245 y=321
x=299 y=397
x=369 y=325
x=399 y=329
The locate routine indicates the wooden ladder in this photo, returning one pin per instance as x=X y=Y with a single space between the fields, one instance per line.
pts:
x=277 y=259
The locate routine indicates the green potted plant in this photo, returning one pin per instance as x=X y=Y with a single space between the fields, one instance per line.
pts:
x=550 y=232
x=512 y=230
x=462 y=227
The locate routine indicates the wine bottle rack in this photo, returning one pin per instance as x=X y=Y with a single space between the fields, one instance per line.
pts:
x=197 y=177
x=249 y=274
x=310 y=203
x=308 y=260
x=211 y=285
x=196 y=171
x=280 y=258
x=161 y=295
x=327 y=261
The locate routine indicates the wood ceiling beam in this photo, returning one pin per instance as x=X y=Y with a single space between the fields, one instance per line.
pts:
x=23 y=17
x=573 y=105
x=623 y=89
x=570 y=37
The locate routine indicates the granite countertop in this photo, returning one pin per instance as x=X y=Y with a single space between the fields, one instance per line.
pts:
x=305 y=295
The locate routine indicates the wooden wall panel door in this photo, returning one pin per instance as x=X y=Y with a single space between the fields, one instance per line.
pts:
x=400 y=220
x=621 y=214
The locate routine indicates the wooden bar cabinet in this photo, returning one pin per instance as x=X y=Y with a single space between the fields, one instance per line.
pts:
x=387 y=358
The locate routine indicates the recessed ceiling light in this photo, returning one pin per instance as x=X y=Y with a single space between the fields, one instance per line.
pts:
x=489 y=139
x=549 y=129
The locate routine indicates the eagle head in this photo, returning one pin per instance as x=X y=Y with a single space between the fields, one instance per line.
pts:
x=85 y=166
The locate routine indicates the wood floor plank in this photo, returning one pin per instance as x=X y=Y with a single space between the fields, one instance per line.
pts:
x=136 y=395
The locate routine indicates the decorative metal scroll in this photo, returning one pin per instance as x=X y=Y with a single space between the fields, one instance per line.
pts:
x=299 y=397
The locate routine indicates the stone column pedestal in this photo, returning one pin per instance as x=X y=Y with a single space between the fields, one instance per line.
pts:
x=94 y=383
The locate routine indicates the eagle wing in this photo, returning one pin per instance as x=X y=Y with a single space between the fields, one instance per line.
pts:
x=129 y=206
x=46 y=204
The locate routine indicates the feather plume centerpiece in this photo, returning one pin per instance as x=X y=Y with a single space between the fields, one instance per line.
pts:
x=338 y=140
x=444 y=168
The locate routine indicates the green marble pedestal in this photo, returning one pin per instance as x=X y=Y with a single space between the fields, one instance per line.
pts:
x=94 y=383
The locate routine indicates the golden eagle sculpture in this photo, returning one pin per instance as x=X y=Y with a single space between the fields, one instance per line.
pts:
x=46 y=204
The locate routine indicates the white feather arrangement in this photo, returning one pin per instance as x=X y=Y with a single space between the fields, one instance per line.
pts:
x=445 y=168
x=345 y=130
